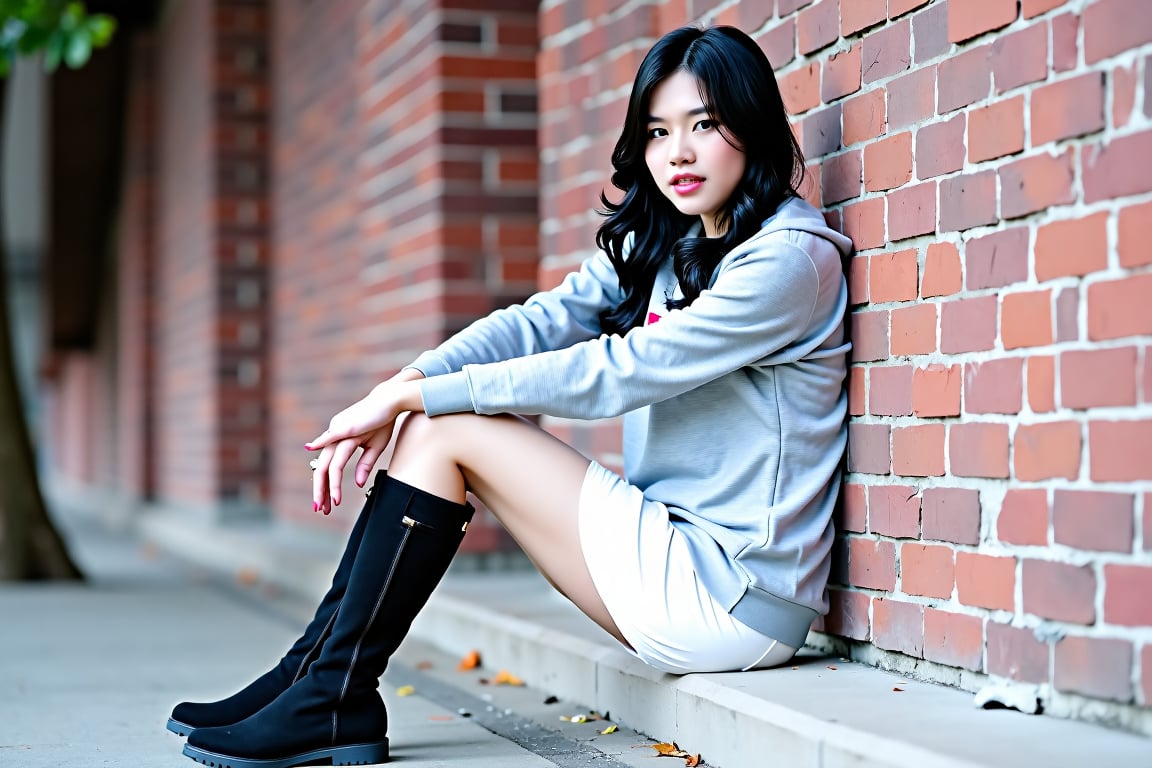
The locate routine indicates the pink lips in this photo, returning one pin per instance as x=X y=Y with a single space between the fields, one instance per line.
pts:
x=686 y=183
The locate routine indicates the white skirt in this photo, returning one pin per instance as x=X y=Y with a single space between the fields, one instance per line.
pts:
x=643 y=571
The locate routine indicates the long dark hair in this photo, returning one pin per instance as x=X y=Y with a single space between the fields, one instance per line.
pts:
x=739 y=89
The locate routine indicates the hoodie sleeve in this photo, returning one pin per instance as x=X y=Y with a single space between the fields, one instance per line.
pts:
x=549 y=320
x=758 y=305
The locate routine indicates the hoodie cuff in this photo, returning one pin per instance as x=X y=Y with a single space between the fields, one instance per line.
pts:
x=430 y=364
x=447 y=393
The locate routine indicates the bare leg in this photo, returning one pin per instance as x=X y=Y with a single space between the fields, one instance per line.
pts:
x=530 y=480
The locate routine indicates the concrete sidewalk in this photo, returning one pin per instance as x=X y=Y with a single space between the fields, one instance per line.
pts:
x=820 y=712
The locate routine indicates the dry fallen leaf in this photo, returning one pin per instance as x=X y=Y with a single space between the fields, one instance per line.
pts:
x=551 y=700
x=405 y=690
x=424 y=665
x=832 y=667
x=471 y=661
x=574 y=718
x=609 y=729
x=504 y=677
x=898 y=689
x=692 y=761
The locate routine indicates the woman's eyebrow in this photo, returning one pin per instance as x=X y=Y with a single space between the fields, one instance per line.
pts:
x=691 y=113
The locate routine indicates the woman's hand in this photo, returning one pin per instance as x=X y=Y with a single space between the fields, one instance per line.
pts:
x=368 y=425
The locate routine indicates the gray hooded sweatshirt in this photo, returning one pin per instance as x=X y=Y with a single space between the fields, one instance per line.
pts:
x=734 y=407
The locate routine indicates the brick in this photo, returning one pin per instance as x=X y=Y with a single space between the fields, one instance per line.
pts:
x=1065 y=45
x=912 y=98
x=1032 y=8
x=1069 y=108
x=898 y=626
x=854 y=509
x=912 y=211
x=864 y=223
x=894 y=510
x=1023 y=517
x=869 y=336
x=926 y=569
x=930 y=30
x=940 y=147
x=1093 y=520
x=1047 y=450
x=888 y=162
x=994 y=386
x=968 y=325
x=818 y=26
x=897 y=8
x=848 y=614
x=1097 y=667
x=918 y=451
x=858 y=280
x=1059 y=591
x=1147 y=526
x=986 y=581
x=842 y=176
x=1068 y=314
x=955 y=639
x=857 y=392
x=996 y=260
x=868 y=448
x=890 y=390
x=996 y=130
x=1148 y=113
x=785 y=7
x=1097 y=378
x=1026 y=319
x=800 y=89
x=978 y=449
x=856 y=15
x=778 y=42
x=1119 y=450
x=975 y=17
x=887 y=51
x=968 y=201
x=864 y=116
x=914 y=330
x=1123 y=95
x=1115 y=26
x=1019 y=58
x=936 y=391
x=963 y=79
x=1134 y=233
x=893 y=276
x=1034 y=183
x=942 y=275
x=841 y=75
x=872 y=563
x=1119 y=308
x=950 y=514
x=1041 y=376
x=1117 y=168
x=1015 y=653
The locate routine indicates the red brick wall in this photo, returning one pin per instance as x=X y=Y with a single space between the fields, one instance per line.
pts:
x=992 y=162
x=187 y=280
x=404 y=203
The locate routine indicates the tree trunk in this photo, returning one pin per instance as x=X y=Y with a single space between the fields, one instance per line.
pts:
x=30 y=545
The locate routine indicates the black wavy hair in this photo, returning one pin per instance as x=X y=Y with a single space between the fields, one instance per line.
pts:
x=738 y=87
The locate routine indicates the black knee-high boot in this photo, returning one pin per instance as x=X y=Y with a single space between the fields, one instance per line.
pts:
x=251 y=699
x=334 y=714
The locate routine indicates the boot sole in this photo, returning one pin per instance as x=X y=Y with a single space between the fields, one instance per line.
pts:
x=354 y=754
x=179 y=728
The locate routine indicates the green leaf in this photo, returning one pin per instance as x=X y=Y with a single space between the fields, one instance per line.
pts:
x=78 y=50
x=54 y=51
x=101 y=27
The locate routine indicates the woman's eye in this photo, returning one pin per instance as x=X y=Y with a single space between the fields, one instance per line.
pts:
x=655 y=133
x=704 y=125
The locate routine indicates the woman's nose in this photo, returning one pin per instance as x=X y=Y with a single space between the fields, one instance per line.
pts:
x=680 y=150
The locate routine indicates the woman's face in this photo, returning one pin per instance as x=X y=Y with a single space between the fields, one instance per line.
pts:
x=689 y=159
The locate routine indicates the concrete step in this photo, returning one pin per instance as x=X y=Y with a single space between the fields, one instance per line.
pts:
x=817 y=712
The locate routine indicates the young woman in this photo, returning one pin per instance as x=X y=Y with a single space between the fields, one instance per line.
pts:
x=712 y=318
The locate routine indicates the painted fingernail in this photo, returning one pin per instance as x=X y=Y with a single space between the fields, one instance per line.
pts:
x=315 y=507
